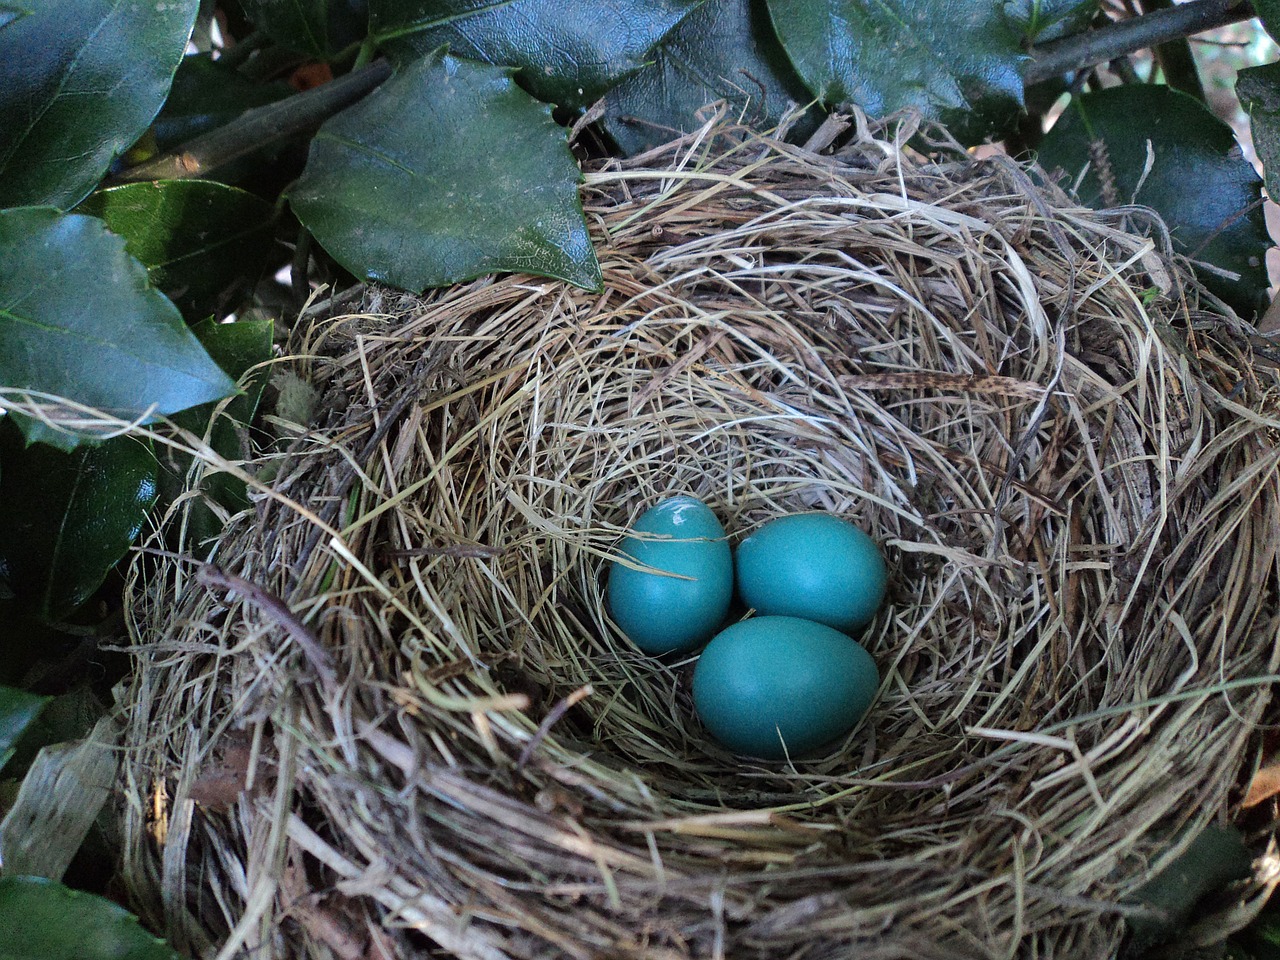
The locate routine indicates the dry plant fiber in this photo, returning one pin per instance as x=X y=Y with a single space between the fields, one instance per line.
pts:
x=394 y=720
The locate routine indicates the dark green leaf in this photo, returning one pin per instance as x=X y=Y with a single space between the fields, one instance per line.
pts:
x=317 y=28
x=200 y=241
x=1212 y=860
x=958 y=62
x=238 y=348
x=446 y=172
x=724 y=50
x=568 y=52
x=67 y=518
x=80 y=80
x=1259 y=92
x=1199 y=182
x=67 y=717
x=17 y=711
x=1268 y=12
x=78 y=319
x=1040 y=21
x=10 y=12
x=206 y=94
x=44 y=920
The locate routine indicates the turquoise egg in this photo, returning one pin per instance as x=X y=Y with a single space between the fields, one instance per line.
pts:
x=814 y=566
x=770 y=681
x=664 y=614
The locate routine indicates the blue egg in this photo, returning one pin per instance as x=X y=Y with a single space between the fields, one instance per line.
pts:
x=776 y=687
x=668 y=614
x=814 y=566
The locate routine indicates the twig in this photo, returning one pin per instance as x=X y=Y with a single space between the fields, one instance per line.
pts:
x=278 y=610
x=259 y=127
x=553 y=716
x=1099 y=46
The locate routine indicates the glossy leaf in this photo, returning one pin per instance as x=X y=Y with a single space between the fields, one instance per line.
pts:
x=568 y=52
x=1040 y=21
x=44 y=920
x=1268 y=12
x=18 y=710
x=446 y=172
x=80 y=80
x=207 y=94
x=1259 y=92
x=238 y=348
x=1198 y=180
x=67 y=518
x=724 y=50
x=78 y=319
x=317 y=28
x=10 y=12
x=958 y=61
x=200 y=241
x=1213 y=859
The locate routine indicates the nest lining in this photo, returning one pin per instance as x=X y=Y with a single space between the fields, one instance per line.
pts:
x=1078 y=504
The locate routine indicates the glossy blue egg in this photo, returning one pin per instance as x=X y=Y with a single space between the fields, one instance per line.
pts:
x=814 y=566
x=673 y=614
x=776 y=687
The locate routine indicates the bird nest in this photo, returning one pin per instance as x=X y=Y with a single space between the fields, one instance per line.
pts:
x=392 y=718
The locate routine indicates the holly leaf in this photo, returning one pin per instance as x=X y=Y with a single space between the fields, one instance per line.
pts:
x=1259 y=91
x=238 y=348
x=18 y=710
x=80 y=81
x=1268 y=12
x=317 y=28
x=1198 y=179
x=200 y=241
x=957 y=62
x=1040 y=21
x=10 y=12
x=723 y=50
x=45 y=920
x=207 y=94
x=67 y=518
x=446 y=172
x=78 y=319
x=568 y=53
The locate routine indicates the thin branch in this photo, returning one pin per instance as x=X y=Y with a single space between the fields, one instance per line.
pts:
x=260 y=127
x=1127 y=36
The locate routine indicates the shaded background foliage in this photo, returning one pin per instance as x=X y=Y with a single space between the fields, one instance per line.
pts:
x=176 y=177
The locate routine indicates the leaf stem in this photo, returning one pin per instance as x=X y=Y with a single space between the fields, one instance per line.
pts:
x=366 y=53
x=1092 y=47
x=259 y=127
x=1175 y=58
x=233 y=57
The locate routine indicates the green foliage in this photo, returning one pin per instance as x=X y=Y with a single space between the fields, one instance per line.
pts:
x=66 y=518
x=568 y=52
x=1213 y=859
x=238 y=348
x=80 y=80
x=446 y=172
x=316 y=28
x=18 y=710
x=79 y=319
x=1197 y=180
x=724 y=50
x=963 y=67
x=1044 y=20
x=44 y=920
x=201 y=242
x=1259 y=92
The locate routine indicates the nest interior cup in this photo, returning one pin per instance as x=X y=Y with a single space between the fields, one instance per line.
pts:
x=436 y=739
